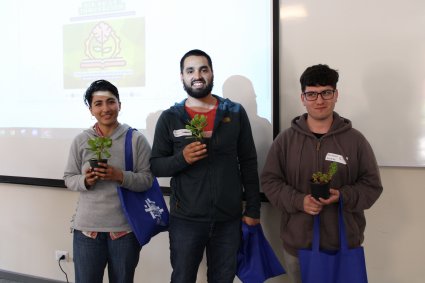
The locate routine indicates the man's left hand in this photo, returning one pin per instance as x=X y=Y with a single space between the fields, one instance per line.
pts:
x=250 y=221
x=333 y=198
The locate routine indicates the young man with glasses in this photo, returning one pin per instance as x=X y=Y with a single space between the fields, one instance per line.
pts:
x=314 y=140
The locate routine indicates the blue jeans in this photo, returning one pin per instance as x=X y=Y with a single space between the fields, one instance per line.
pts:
x=189 y=239
x=92 y=255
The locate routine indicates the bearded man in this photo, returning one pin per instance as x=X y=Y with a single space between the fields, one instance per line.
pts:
x=209 y=176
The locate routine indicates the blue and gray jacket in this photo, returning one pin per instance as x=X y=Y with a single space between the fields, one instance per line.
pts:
x=210 y=189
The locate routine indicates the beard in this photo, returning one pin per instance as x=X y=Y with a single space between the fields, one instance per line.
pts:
x=199 y=93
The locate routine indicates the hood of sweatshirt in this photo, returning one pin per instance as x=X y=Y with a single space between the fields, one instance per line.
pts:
x=339 y=125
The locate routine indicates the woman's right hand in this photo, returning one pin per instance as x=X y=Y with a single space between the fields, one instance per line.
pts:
x=90 y=178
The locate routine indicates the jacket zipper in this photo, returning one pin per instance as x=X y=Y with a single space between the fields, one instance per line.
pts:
x=317 y=155
x=211 y=170
x=213 y=186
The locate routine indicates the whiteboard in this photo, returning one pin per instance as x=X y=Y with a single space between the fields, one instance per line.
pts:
x=379 y=49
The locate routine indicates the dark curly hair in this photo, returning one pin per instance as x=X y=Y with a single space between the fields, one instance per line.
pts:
x=319 y=75
x=99 y=85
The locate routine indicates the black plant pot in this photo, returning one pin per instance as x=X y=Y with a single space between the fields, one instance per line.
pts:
x=205 y=141
x=320 y=190
x=94 y=162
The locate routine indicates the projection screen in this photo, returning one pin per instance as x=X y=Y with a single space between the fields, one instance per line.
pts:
x=52 y=50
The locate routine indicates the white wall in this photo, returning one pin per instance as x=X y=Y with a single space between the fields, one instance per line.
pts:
x=35 y=223
x=378 y=47
x=395 y=230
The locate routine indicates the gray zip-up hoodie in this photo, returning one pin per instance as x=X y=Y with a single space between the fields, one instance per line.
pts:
x=294 y=155
x=99 y=208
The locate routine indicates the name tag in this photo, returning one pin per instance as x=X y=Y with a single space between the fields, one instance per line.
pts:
x=182 y=133
x=335 y=157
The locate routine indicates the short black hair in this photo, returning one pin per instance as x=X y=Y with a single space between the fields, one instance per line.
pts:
x=99 y=85
x=195 y=52
x=319 y=75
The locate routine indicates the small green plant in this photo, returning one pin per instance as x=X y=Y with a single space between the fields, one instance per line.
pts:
x=196 y=126
x=323 y=178
x=99 y=146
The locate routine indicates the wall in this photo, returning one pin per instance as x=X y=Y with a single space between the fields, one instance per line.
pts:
x=394 y=234
x=378 y=48
x=35 y=220
x=35 y=223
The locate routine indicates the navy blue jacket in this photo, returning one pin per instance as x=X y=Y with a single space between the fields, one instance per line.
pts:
x=210 y=189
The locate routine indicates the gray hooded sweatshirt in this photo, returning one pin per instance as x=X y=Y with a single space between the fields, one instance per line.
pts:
x=99 y=208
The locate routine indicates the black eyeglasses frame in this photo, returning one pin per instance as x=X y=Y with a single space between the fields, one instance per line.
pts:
x=307 y=94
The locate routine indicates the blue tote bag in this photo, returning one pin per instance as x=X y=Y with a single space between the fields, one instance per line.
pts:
x=146 y=212
x=256 y=260
x=343 y=266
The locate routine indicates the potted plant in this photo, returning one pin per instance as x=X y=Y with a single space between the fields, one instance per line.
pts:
x=100 y=148
x=320 y=182
x=196 y=127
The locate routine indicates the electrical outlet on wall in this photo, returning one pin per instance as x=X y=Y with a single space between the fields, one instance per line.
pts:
x=59 y=254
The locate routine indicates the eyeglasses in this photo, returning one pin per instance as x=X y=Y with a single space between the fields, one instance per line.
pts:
x=313 y=95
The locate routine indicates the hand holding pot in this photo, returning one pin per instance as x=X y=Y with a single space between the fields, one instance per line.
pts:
x=109 y=173
x=311 y=205
x=333 y=197
x=90 y=178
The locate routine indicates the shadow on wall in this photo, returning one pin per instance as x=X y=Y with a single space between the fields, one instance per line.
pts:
x=151 y=120
x=240 y=89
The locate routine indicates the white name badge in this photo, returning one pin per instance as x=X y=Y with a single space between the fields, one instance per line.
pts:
x=335 y=157
x=182 y=133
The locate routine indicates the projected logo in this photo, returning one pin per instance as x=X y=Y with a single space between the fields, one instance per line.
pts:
x=112 y=50
x=102 y=48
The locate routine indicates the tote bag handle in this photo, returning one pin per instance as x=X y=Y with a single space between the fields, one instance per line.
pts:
x=129 y=150
x=341 y=225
